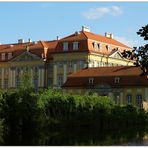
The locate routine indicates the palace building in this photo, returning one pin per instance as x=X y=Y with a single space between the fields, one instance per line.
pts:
x=50 y=62
x=123 y=84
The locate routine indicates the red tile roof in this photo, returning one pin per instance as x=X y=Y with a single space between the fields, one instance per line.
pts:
x=40 y=48
x=129 y=76
x=45 y=48
x=104 y=39
x=87 y=45
x=108 y=71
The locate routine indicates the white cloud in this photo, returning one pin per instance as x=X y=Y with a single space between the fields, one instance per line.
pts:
x=97 y=13
x=128 y=42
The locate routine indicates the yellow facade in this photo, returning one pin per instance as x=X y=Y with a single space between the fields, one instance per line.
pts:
x=122 y=94
x=67 y=63
x=10 y=72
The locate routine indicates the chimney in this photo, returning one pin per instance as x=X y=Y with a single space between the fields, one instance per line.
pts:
x=11 y=45
x=20 y=41
x=30 y=40
x=84 y=28
x=109 y=35
x=58 y=38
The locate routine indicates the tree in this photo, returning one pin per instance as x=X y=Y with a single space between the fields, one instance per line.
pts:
x=25 y=81
x=140 y=54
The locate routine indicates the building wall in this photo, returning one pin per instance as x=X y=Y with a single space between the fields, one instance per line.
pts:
x=123 y=92
x=67 y=63
x=11 y=72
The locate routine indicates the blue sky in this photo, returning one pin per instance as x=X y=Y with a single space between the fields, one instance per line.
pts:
x=46 y=20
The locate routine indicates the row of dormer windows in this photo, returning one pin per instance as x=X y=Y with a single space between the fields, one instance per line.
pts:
x=3 y=56
x=97 y=46
x=116 y=80
x=75 y=46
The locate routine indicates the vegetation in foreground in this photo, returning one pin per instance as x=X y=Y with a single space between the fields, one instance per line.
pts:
x=24 y=114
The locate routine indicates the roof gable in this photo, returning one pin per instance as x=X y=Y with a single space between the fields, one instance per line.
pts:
x=26 y=56
x=117 y=54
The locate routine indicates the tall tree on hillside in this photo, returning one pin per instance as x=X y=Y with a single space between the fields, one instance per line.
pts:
x=140 y=54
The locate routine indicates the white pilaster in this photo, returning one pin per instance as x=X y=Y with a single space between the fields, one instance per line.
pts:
x=13 y=77
x=55 y=75
x=146 y=94
x=2 y=77
x=39 y=78
x=65 y=73
x=43 y=77
x=31 y=75
x=121 y=98
x=9 y=78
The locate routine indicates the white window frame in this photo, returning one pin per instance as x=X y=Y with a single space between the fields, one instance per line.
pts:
x=108 y=47
x=91 y=80
x=9 y=55
x=117 y=80
x=139 y=100
x=129 y=99
x=65 y=46
x=3 y=56
x=75 y=45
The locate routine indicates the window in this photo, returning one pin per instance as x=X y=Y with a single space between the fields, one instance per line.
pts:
x=117 y=98
x=6 y=72
x=117 y=79
x=75 y=45
x=81 y=64
x=65 y=46
x=99 y=45
x=139 y=100
x=3 y=56
x=96 y=45
x=17 y=81
x=36 y=72
x=60 y=80
x=5 y=83
x=70 y=65
x=60 y=65
x=107 y=47
x=18 y=72
x=129 y=99
x=91 y=80
x=9 y=55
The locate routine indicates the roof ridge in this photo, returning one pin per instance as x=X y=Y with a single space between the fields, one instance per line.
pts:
x=84 y=34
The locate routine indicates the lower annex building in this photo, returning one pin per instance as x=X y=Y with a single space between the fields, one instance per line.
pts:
x=50 y=62
x=123 y=84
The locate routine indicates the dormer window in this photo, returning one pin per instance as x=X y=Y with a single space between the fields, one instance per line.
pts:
x=65 y=46
x=95 y=45
x=91 y=80
x=3 y=56
x=9 y=55
x=117 y=79
x=107 y=47
x=99 y=45
x=75 y=45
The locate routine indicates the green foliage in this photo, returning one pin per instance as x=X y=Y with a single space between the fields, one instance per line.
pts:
x=26 y=82
x=140 y=54
x=25 y=113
